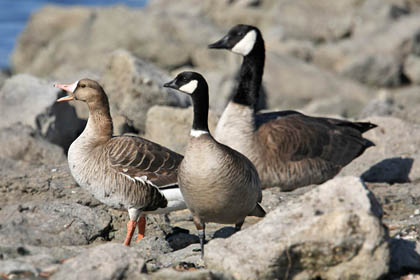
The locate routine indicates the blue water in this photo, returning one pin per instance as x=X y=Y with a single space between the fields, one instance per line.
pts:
x=15 y=13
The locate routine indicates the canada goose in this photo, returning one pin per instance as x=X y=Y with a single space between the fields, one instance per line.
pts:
x=123 y=172
x=219 y=184
x=289 y=149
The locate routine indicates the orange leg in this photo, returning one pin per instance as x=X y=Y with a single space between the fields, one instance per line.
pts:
x=131 y=226
x=141 y=226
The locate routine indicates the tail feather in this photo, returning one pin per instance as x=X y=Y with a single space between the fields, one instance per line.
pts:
x=360 y=126
x=258 y=211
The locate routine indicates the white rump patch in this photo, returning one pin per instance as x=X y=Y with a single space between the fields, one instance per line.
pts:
x=175 y=201
x=197 y=133
x=73 y=86
x=190 y=87
x=245 y=45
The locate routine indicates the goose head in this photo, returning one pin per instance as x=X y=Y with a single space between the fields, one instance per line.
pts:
x=85 y=90
x=188 y=82
x=241 y=39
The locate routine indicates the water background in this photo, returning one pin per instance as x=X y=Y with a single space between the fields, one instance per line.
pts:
x=15 y=13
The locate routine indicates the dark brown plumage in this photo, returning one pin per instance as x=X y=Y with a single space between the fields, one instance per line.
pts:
x=289 y=149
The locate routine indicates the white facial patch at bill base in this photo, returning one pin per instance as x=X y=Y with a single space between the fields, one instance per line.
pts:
x=245 y=45
x=71 y=88
x=190 y=87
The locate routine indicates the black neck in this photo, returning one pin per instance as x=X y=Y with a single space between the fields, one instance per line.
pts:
x=250 y=79
x=200 y=100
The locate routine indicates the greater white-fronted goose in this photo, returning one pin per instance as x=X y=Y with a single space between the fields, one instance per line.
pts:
x=289 y=149
x=218 y=183
x=123 y=172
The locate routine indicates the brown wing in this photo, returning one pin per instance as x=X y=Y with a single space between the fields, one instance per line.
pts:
x=138 y=157
x=295 y=137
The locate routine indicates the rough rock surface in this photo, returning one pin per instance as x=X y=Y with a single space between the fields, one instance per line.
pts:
x=107 y=261
x=378 y=63
x=62 y=224
x=21 y=143
x=330 y=233
x=171 y=126
x=323 y=57
x=291 y=83
x=394 y=159
x=103 y=31
x=133 y=86
x=31 y=101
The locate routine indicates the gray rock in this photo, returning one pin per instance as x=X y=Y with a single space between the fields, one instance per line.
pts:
x=34 y=261
x=171 y=126
x=378 y=63
x=153 y=34
x=189 y=255
x=291 y=83
x=20 y=142
x=31 y=101
x=107 y=261
x=23 y=98
x=52 y=224
x=50 y=22
x=202 y=274
x=332 y=232
x=395 y=156
x=406 y=102
x=373 y=15
x=412 y=68
x=133 y=86
x=401 y=103
x=382 y=105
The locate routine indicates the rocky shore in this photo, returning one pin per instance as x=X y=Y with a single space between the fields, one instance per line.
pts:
x=354 y=59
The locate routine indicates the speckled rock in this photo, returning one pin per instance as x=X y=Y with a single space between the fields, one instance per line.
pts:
x=331 y=232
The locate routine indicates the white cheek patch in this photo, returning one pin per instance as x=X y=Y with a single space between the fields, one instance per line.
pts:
x=190 y=87
x=245 y=45
x=73 y=86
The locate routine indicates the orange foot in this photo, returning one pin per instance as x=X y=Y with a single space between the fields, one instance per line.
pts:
x=131 y=226
x=141 y=225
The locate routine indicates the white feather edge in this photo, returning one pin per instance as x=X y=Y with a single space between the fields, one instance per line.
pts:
x=173 y=196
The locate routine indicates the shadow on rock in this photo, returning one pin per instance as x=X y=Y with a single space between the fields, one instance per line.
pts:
x=180 y=238
x=404 y=257
x=61 y=125
x=224 y=232
x=390 y=170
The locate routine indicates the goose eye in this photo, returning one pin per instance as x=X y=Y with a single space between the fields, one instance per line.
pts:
x=82 y=86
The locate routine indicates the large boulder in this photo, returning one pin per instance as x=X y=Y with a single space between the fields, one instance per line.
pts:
x=379 y=62
x=31 y=101
x=171 y=126
x=21 y=143
x=395 y=158
x=133 y=86
x=331 y=232
x=292 y=83
x=107 y=261
x=51 y=224
x=166 y=39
